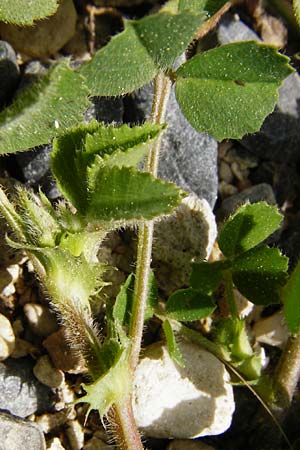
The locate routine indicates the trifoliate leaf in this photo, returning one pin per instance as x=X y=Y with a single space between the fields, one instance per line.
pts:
x=43 y=110
x=133 y=58
x=291 y=301
x=248 y=226
x=296 y=6
x=24 y=12
x=206 y=277
x=125 y=193
x=74 y=151
x=172 y=346
x=228 y=91
x=259 y=273
x=188 y=304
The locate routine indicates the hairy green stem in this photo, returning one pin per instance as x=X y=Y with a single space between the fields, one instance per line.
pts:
x=162 y=85
x=123 y=426
x=287 y=373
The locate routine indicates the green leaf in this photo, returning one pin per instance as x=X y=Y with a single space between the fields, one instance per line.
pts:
x=125 y=193
x=228 y=91
x=133 y=58
x=166 y=36
x=43 y=110
x=123 y=304
x=74 y=151
x=24 y=12
x=210 y=6
x=248 y=226
x=291 y=301
x=296 y=6
x=188 y=305
x=206 y=277
x=259 y=273
x=172 y=346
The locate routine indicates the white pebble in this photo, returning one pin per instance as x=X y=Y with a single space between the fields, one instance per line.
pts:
x=271 y=330
x=47 y=374
x=40 y=319
x=75 y=435
x=7 y=338
x=174 y=402
x=55 y=444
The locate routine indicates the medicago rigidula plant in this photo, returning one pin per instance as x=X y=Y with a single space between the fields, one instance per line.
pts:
x=226 y=92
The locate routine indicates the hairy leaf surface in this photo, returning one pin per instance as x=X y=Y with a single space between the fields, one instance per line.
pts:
x=43 y=110
x=206 y=277
x=86 y=145
x=188 y=305
x=173 y=348
x=133 y=58
x=24 y=12
x=228 y=91
x=259 y=273
x=125 y=193
x=248 y=226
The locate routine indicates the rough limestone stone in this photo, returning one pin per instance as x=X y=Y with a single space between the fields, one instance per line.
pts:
x=9 y=72
x=174 y=402
x=21 y=393
x=40 y=319
x=7 y=338
x=47 y=36
x=189 y=233
x=272 y=330
x=18 y=434
x=47 y=374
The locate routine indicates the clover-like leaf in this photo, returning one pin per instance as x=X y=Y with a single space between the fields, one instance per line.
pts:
x=133 y=57
x=43 y=110
x=291 y=301
x=206 y=277
x=259 y=273
x=188 y=305
x=248 y=226
x=172 y=346
x=125 y=193
x=228 y=91
x=24 y=12
x=78 y=148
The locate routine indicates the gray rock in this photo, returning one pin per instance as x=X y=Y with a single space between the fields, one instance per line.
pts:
x=187 y=158
x=232 y=29
x=18 y=434
x=260 y=192
x=106 y=109
x=21 y=393
x=9 y=72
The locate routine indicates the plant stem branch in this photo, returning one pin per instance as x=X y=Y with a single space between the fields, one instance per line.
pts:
x=162 y=87
x=123 y=426
x=287 y=373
